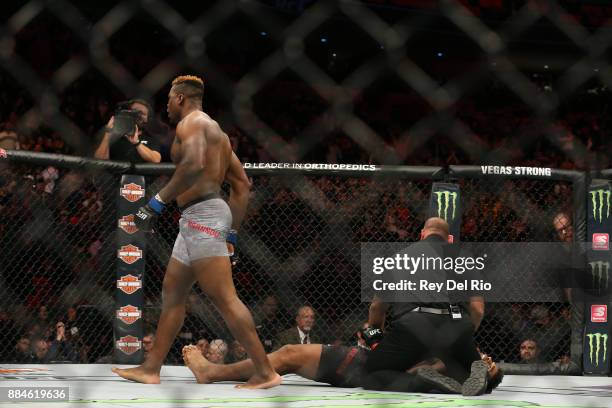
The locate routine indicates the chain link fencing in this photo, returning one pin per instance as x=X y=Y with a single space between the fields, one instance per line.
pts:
x=299 y=245
x=55 y=244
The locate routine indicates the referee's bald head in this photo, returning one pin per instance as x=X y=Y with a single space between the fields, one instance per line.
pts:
x=435 y=226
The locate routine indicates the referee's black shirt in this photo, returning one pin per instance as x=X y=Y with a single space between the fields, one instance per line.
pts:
x=432 y=246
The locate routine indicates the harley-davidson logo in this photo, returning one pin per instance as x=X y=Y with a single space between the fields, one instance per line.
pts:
x=129 y=314
x=129 y=284
x=128 y=344
x=129 y=254
x=127 y=224
x=132 y=192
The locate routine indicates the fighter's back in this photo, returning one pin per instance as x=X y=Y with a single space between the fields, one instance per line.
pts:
x=216 y=155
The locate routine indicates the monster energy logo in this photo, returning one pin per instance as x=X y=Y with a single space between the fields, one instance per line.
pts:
x=600 y=270
x=444 y=200
x=597 y=199
x=600 y=340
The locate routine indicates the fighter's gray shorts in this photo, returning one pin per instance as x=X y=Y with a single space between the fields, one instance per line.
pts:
x=203 y=228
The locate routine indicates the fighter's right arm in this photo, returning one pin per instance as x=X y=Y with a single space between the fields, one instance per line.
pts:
x=239 y=191
x=377 y=313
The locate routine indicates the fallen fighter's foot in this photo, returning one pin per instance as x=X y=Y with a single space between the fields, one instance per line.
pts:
x=199 y=366
x=476 y=384
x=139 y=374
x=439 y=382
x=256 y=382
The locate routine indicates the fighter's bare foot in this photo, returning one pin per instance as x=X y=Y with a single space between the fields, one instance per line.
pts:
x=257 y=382
x=199 y=366
x=139 y=374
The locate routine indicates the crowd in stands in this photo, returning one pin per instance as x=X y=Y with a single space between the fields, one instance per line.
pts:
x=532 y=335
x=575 y=140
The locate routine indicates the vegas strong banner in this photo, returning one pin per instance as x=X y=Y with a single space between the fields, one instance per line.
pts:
x=445 y=202
x=596 y=346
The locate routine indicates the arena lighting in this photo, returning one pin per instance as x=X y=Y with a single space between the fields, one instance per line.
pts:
x=263 y=34
x=323 y=39
x=440 y=54
x=333 y=54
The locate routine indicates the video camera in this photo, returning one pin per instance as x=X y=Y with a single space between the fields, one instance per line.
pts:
x=125 y=122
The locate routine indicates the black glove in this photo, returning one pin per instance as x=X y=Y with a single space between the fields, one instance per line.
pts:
x=372 y=337
x=147 y=216
x=232 y=238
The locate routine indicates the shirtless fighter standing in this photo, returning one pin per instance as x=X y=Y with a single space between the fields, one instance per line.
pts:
x=207 y=233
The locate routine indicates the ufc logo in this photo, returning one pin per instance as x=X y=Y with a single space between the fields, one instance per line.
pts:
x=141 y=215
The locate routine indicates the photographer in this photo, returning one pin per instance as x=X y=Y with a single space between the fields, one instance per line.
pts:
x=126 y=138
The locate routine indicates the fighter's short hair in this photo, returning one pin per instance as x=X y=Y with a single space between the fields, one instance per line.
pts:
x=189 y=85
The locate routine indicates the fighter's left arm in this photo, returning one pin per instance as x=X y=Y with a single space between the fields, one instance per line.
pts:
x=192 y=162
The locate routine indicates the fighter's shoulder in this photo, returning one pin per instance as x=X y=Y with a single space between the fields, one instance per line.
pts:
x=199 y=121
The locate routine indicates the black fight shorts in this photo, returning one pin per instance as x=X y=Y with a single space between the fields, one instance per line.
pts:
x=342 y=366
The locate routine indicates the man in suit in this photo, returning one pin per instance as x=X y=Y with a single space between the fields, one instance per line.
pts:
x=300 y=334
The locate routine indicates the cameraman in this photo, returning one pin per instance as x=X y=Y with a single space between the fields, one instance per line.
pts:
x=134 y=144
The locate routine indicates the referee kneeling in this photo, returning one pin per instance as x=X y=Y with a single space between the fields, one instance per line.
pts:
x=423 y=330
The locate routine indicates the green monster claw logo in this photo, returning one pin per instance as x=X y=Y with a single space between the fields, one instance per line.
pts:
x=599 y=339
x=597 y=199
x=599 y=270
x=444 y=201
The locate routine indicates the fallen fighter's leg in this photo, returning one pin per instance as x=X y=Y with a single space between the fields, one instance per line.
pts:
x=301 y=359
x=339 y=366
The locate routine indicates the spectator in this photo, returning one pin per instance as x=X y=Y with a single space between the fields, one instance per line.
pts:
x=203 y=345
x=551 y=335
x=41 y=351
x=302 y=332
x=193 y=328
x=137 y=146
x=217 y=352
x=529 y=352
x=33 y=331
x=563 y=226
x=237 y=352
x=61 y=347
x=43 y=321
x=147 y=343
x=8 y=138
x=267 y=321
x=71 y=318
x=23 y=352
x=9 y=334
x=564 y=229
